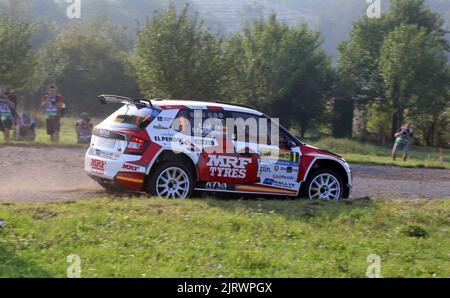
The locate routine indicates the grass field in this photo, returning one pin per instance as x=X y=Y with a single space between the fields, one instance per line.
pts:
x=368 y=153
x=68 y=135
x=353 y=151
x=142 y=237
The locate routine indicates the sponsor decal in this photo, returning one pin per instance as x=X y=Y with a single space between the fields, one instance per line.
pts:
x=160 y=126
x=104 y=133
x=228 y=166
x=279 y=155
x=216 y=186
x=186 y=141
x=129 y=167
x=164 y=119
x=168 y=139
x=208 y=142
x=283 y=177
x=264 y=170
x=109 y=155
x=108 y=134
x=98 y=166
x=277 y=183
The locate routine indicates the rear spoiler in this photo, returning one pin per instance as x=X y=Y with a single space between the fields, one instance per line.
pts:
x=139 y=103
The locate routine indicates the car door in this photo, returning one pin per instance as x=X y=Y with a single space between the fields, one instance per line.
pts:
x=222 y=167
x=279 y=160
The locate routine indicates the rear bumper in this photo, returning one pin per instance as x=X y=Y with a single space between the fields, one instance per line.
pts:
x=120 y=173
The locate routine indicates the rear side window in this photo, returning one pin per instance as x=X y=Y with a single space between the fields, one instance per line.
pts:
x=208 y=125
x=130 y=117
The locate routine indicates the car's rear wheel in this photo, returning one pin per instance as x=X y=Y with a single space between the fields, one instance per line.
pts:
x=171 y=180
x=324 y=185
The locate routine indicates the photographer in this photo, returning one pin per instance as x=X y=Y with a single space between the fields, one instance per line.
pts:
x=402 y=139
x=53 y=105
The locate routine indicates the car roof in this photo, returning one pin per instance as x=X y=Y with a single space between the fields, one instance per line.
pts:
x=168 y=103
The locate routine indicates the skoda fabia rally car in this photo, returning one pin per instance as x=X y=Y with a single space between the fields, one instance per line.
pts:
x=169 y=148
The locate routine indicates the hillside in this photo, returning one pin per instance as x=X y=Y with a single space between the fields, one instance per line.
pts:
x=332 y=17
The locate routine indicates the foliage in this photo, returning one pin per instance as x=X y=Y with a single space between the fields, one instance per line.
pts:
x=391 y=69
x=282 y=70
x=84 y=64
x=16 y=58
x=210 y=238
x=400 y=60
x=176 y=57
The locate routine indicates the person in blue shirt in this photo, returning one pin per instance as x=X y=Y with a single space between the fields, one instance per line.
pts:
x=84 y=129
x=53 y=105
x=27 y=127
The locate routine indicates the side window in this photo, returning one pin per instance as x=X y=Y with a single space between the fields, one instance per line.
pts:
x=274 y=138
x=285 y=141
x=183 y=123
x=213 y=124
x=246 y=127
x=209 y=123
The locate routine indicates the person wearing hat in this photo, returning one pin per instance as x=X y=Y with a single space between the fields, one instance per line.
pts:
x=84 y=129
x=27 y=127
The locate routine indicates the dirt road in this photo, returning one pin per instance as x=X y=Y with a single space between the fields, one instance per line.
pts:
x=45 y=174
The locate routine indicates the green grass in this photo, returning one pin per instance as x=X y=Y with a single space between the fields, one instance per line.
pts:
x=68 y=135
x=209 y=238
x=368 y=153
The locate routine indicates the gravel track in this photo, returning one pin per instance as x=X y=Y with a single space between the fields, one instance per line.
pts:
x=49 y=174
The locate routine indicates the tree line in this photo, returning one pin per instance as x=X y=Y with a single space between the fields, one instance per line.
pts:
x=391 y=69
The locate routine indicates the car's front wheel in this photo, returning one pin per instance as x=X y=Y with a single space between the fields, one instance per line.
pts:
x=324 y=185
x=171 y=180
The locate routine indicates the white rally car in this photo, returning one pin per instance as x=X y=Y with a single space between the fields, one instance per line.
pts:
x=169 y=148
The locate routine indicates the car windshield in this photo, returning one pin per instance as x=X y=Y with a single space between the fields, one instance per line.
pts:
x=130 y=117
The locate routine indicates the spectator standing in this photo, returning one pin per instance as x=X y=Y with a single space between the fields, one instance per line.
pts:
x=84 y=129
x=6 y=116
x=13 y=98
x=402 y=140
x=53 y=105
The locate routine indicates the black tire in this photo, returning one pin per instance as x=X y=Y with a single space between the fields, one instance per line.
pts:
x=306 y=189
x=160 y=168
